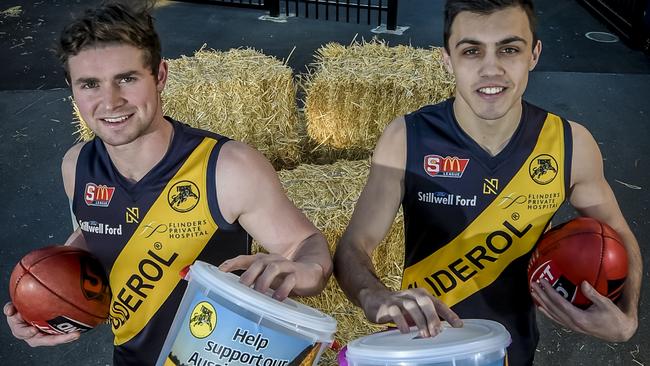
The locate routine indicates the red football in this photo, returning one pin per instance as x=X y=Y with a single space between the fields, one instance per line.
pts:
x=582 y=249
x=60 y=289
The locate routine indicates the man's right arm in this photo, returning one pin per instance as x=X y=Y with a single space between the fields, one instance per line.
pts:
x=21 y=329
x=68 y=170
x=372 y=218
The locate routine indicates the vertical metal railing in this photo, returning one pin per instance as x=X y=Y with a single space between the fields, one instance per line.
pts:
x=391 y=15
x=384 y=9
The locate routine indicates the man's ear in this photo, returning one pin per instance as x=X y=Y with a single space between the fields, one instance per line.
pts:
x=537 y=51
x=162 y=76
x=446 y=59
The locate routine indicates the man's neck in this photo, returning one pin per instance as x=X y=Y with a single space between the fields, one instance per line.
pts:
x=134 y=160
x=492 y=135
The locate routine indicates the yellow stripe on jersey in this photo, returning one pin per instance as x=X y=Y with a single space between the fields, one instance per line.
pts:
x=171 y=235
x=506 y=230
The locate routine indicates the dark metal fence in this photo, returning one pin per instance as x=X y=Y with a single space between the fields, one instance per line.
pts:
x=383 y=11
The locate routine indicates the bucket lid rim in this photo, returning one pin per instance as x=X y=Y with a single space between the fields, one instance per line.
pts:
x=494 y=339
x=287 y=311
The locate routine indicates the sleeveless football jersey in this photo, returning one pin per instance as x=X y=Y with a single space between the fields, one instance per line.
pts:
x=145 y=233
x=471 y=219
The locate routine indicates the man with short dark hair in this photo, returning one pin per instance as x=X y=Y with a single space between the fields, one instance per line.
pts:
x=479 y=178
x=175 y=193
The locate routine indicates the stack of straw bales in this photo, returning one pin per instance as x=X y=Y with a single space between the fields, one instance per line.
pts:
x=242 y=94
x=353 y=92
x=327 y=194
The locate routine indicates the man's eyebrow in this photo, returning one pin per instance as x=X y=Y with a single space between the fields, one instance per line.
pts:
x=475 y=42
x=86 y=80
x=512 y=39
x=123 y=75
x=469 y=41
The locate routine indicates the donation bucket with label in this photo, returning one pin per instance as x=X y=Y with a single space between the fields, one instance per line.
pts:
x=478 y=343
x=223 y=322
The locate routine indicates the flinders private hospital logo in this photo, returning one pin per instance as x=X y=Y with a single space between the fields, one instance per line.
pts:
x=445 y=167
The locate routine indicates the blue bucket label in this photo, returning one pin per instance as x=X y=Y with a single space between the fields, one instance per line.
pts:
x=214 y=335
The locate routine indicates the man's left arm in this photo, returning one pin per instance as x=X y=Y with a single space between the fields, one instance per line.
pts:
x=592 y=196
x=250 y=192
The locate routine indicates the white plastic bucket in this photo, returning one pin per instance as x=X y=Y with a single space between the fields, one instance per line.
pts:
x=222 y=322
x=478 y=343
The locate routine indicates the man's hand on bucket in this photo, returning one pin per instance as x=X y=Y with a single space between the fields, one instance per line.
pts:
x=265 y=272
x=406 y=308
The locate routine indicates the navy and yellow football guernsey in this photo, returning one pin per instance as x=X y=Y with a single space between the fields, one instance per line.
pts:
x=471 y=219
x=145 y=233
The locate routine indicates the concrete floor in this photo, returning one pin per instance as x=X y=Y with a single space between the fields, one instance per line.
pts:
x=605 y=86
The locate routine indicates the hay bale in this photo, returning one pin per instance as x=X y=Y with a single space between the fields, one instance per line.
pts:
x=353 y=92
x=327 y=194
x=242 y=94
x=320 y=154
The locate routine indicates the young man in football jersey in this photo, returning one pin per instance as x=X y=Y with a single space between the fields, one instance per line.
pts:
x=479 y=178
x=177 y=194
